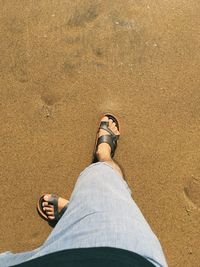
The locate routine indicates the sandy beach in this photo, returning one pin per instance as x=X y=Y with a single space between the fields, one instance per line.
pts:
x=63 y=64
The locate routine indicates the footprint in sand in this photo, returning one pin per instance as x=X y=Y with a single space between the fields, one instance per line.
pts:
x=84 y=14
x=192 y=191
x=50 y=98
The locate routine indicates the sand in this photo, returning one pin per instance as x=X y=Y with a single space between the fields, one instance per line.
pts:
x=64 y=63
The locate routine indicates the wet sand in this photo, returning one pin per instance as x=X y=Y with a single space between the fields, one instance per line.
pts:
x=62 y=64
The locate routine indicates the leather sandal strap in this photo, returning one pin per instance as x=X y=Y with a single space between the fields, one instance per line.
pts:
x=53 y=199
x=104 y=125
x=111 y=140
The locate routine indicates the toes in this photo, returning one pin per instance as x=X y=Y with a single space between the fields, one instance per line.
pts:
x=44 y=204
x=114 y=128
x=110 y=122
x=51 y=217
x=50 y=213
x=48 y=208
x=105 y=118
x=46 y=197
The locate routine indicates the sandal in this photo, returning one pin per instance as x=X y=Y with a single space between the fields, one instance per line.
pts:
x=110 y=139
x=53 y=200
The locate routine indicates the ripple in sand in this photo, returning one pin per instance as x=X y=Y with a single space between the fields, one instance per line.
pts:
x=192 y=191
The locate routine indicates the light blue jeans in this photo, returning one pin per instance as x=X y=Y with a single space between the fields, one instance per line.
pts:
x=101 y=213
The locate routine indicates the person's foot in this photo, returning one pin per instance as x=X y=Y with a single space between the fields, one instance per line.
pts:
x=104 y=150
x=49 y=209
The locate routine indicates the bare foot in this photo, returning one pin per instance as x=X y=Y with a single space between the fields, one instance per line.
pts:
x=49 y=209
x=104 y=150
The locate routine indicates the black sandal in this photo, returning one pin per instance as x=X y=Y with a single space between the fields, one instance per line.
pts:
x=110 y=139
x=53 y=200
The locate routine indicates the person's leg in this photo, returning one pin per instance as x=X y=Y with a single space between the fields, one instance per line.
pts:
x=103 y=154
x=101 y=212
x=76 y=212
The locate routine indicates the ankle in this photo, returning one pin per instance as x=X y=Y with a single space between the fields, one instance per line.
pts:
x=103 y=152
x=102 y=156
